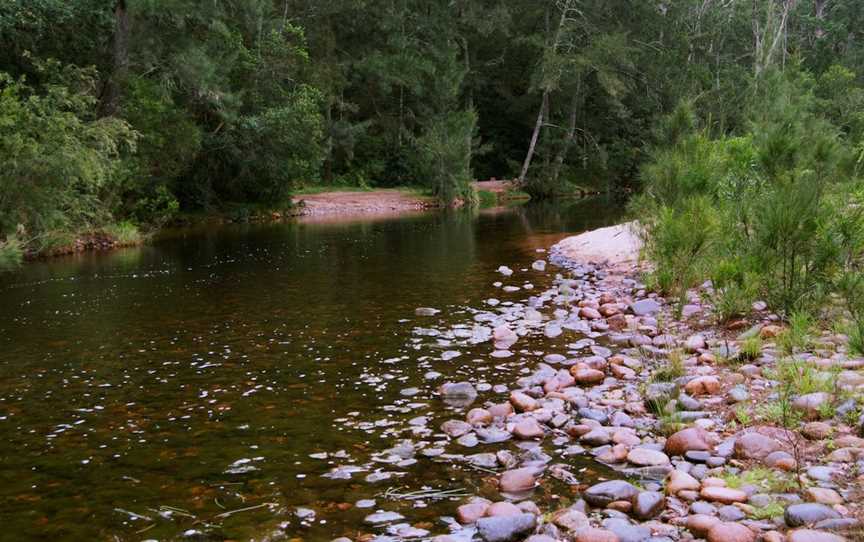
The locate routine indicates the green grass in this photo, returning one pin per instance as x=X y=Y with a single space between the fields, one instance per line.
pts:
x=771 y=510
x=323 y=188
x=487 y=198
x=11 y=253
x=671 y=370
x=751 y=348
x=797 y=336
x=124 y=233
x=766 y=479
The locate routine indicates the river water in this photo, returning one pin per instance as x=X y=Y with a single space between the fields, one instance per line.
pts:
x=203 y=387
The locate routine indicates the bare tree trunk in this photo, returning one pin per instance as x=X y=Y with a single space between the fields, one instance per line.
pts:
x=111 y=98
x=534 y=136
x=768 y=37
x=569 y=138
x=544 y=104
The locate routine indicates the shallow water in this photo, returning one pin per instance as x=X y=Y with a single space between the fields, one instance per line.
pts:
x=177 y=390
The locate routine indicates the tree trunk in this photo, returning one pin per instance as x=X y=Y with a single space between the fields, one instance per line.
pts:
x=111 y=98
x=534 y=136
x=544 y=104
x=568 y=139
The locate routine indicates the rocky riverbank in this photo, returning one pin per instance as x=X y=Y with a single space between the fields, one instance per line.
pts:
x=700 y=432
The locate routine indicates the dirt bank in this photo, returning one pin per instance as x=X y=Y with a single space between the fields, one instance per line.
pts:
x=380 y=201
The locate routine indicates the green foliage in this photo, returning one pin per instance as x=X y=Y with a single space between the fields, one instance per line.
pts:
x=486 y=198
x=61 y=160
x=796 y=337
x=751 y=348
x=11 y=253
x=445 y=156
x=672 y=370
x=764 y=214
x=769 y=481
x=123 y=233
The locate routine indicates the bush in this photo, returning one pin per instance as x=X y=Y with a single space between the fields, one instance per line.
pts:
x=768 y=213
x=61 y=164
x=11 y=253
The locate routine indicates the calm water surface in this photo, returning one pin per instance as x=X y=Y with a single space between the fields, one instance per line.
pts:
x=177 y=391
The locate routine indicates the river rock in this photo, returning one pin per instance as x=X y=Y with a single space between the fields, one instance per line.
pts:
x=725 y=495
x=703 y=385
x=730 y=532
x=700 y=524
x=648 y=504
x=596 y=437
x=694 y=343
x=645 y=457
x=691 y=438
x=799 y=515
x=645 y=307
x=483 y=460
x=587 y=376
x=471 y=512
x=754 y=446
x=502 y=509
x=479 y=416
x=383 y=517
x=823 y=495
x=570 y=519
x=458 y=390
x=528 y=429
x=523 y=402
x=590 y=313
x=604 y=493
x=456 y=428
x=817 y=430
x=681 y=481
x=506 y=528
x=517 y=480
x=810 y=535
x=809 y=404
x=596 y=535
x=626 y=531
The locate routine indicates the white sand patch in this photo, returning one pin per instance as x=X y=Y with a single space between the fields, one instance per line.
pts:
x=612 y=245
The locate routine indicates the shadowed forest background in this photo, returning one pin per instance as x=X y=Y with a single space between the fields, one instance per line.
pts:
x=116 y=116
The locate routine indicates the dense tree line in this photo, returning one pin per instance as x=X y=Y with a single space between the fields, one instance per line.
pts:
x=127 y=111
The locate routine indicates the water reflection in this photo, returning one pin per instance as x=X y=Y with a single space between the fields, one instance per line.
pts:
x=150 y=392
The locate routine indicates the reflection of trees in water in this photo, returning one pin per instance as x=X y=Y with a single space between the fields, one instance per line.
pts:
x=564 y=215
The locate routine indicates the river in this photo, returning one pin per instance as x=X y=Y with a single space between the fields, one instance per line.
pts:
x=200 y=387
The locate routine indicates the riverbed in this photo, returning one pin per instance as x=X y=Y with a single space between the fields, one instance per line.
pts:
x=211 y=385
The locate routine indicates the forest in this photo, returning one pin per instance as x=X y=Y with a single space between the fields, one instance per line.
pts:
x=117 y=116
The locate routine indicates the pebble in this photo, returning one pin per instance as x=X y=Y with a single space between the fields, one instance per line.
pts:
x=799 y=515
x=506 y=528
x=730 y=532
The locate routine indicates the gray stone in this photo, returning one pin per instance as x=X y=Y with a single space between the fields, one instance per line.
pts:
x=648 y=504
x=737 y=394
x=697 y=456
x=799 y=515
x=605 y=492
x=626 y=531
x=506 y=528
x=645 y=307
x=730 y=513
x=383 y=517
